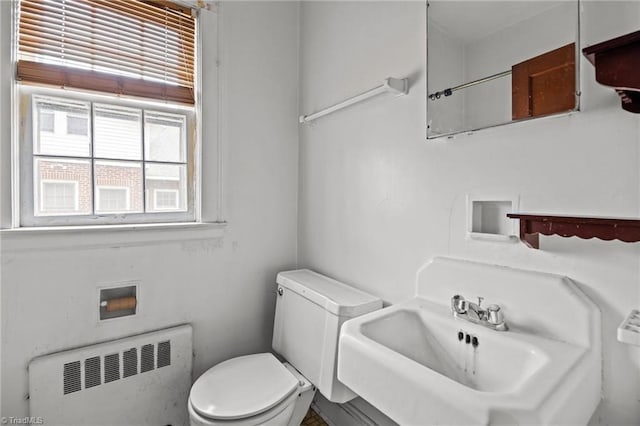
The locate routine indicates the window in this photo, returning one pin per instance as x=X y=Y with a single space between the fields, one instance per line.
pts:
x=77 y=125
x=97 y=158
x=130 y=151
x=62 y=186
x=47 y=120
x=59 y=197
x=165 y=199
x=113 y=199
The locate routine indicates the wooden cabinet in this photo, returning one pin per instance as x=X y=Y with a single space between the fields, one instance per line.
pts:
x=617 y=63
x=545 y=84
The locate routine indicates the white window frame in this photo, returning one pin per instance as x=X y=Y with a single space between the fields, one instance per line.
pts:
x=28 y=218
x=76 y=198
x=127 y=199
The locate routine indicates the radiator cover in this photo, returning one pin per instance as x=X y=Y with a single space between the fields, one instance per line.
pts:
x=139 y=380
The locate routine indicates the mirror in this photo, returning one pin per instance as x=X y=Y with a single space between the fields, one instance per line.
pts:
x=496 y=62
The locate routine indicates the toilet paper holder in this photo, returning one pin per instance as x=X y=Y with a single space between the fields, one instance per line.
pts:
x=119 y=304
x=118 y=301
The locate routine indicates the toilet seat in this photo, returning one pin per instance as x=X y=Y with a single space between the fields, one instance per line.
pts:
x=242 y=387
x=276 y=416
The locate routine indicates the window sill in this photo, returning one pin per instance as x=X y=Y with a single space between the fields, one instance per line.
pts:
x=102 y=236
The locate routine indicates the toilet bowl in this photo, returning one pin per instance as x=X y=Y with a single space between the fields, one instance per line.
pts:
x=258 y=389
x=250 y=390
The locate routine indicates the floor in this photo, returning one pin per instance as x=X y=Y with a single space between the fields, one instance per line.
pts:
x=312 y=419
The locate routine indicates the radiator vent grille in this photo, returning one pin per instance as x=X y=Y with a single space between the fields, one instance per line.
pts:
x=110 y=364
x=71 y=377
x=111 y=368
x=130 y=362
x=92 y=372
x=58 y=382
x=164 y=354
x=146 y=358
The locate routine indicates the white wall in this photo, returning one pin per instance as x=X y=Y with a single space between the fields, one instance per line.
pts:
x=377 y=200
x=222 y=282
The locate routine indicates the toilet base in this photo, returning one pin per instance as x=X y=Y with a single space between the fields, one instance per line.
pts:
x=306 y=392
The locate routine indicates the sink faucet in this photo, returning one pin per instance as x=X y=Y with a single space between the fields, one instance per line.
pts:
x=491 y=317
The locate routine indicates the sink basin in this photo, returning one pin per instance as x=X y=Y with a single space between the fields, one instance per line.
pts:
x=431 y=339
x=409 y=362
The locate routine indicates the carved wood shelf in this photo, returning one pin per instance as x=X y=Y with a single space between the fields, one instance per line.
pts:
x=531 y=226
x=617 y=62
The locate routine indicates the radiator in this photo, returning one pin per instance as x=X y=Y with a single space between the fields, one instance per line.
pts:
x=139 y=380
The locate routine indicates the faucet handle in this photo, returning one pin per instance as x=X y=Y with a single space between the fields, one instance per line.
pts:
x=459 y=304
x=494 y=315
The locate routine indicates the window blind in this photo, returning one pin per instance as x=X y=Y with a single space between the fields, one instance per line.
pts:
x=130 y=47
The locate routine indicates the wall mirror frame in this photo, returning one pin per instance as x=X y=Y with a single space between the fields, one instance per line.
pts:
x=497 y=62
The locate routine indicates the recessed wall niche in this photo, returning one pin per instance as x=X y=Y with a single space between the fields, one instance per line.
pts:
x=487 y=218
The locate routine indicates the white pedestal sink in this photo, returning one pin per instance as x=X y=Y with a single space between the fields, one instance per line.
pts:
x=409 y=362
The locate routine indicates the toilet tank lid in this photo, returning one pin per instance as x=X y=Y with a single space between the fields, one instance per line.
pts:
x=334 y=296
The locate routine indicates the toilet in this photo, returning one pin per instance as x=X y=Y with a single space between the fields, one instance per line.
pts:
x=259 y=389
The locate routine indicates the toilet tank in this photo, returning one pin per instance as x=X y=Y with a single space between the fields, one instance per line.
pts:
x=310 y=310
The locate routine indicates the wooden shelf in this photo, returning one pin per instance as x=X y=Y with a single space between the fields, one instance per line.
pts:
x=617 y=62
x=531 y=226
